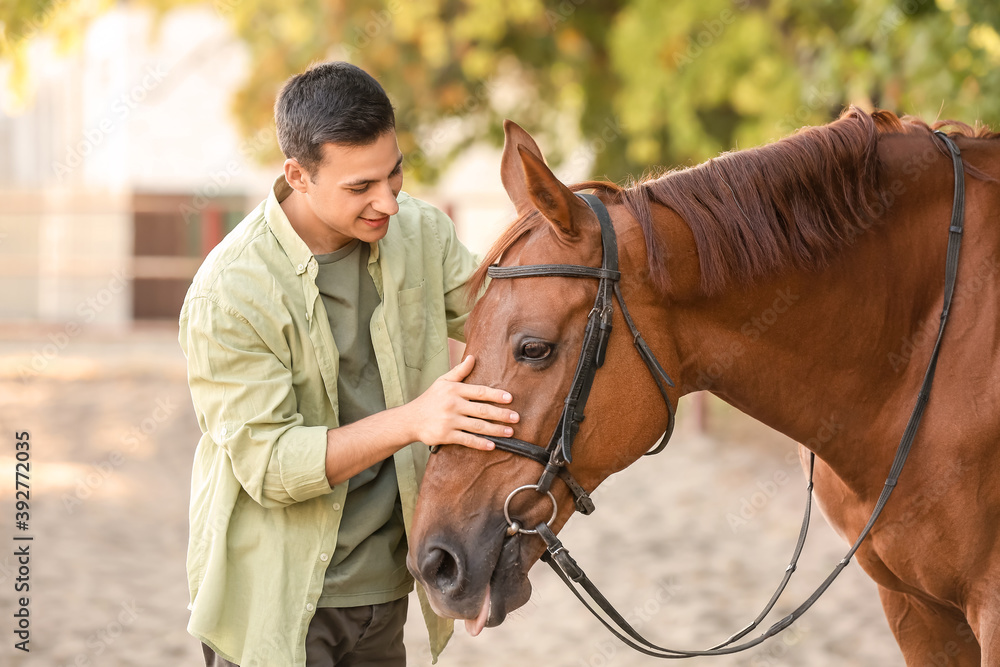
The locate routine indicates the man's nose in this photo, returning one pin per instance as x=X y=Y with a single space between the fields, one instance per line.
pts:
x=386 y=203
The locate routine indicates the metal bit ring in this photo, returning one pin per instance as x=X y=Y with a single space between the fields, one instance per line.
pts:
x=514 y=527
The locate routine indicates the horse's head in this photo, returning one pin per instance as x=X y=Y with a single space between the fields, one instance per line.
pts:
x=527 y=335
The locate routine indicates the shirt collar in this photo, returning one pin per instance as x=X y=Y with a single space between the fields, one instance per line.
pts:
x=295 y=248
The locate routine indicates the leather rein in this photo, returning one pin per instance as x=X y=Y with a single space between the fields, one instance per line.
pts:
x=558 y=453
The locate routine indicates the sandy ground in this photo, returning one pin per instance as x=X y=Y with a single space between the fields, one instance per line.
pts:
x=112 y=434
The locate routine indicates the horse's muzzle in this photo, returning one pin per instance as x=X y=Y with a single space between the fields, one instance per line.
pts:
x=479 y=583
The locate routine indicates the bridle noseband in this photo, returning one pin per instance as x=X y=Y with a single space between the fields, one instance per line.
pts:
x=559 y=451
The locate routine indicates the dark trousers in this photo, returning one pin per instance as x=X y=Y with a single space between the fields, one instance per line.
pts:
x=349 y=636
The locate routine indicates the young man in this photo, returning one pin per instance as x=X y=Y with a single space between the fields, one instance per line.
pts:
x=316 y=339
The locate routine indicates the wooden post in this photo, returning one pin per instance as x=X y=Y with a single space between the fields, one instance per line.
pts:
x=699 y=412
x=211 y=229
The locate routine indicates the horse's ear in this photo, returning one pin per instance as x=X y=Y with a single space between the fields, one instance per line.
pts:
x=511 y=171
x=553 y=199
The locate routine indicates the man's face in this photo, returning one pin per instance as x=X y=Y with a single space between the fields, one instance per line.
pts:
x=353 y=191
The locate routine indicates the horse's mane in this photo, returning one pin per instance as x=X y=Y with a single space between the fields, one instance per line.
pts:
x=793 y=202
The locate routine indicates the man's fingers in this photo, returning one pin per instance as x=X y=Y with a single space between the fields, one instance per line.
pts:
x=466 y=439
x=471 y=441
x=485 y=428
x=461 y=371
x=478 y=392
x=492 y=413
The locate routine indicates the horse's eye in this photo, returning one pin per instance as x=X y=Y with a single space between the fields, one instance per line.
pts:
x=535 y=350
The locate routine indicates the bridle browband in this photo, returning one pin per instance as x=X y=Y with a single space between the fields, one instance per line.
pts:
x=559 y=451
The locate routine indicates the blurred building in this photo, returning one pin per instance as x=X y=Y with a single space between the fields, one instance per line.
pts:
x=125 y=169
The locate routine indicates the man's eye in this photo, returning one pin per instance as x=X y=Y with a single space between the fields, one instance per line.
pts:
x=359 y=191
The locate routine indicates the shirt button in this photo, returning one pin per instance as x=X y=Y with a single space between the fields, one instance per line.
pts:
x=323 y=557
x=301 y=268
x=310 y=606
x=336 y=507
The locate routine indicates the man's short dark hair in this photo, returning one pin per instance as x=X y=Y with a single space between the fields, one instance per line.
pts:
x=333 y=102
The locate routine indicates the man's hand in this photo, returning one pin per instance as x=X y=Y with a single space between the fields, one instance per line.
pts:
x=450 y=412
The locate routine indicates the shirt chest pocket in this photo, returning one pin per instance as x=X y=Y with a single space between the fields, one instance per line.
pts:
x=413 y=320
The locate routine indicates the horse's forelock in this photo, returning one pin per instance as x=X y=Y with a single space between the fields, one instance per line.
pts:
x=523 y=225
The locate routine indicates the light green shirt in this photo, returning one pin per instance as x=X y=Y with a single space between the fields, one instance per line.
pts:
x=262 y=368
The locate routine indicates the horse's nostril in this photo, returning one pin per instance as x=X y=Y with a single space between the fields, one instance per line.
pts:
x=441 y=569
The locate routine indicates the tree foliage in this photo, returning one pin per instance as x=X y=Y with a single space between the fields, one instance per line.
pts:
x=626 y=84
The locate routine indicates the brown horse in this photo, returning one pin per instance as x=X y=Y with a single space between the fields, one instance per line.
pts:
x=802 y=283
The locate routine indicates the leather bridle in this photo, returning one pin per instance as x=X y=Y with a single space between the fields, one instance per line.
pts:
x=558 y=453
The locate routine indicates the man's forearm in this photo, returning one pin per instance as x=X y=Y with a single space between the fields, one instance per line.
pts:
x=360 y=445
x=449 y=412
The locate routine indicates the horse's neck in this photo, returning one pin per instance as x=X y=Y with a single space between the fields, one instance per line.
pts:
x=829 y=357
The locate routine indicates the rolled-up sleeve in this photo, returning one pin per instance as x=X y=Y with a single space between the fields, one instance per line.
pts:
x=245 y=402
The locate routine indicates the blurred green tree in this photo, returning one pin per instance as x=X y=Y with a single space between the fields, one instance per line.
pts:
x=617 y=84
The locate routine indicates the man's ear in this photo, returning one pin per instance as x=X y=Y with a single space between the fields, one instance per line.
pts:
x=555 y=201
x=511 y=170
x=296 y=175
